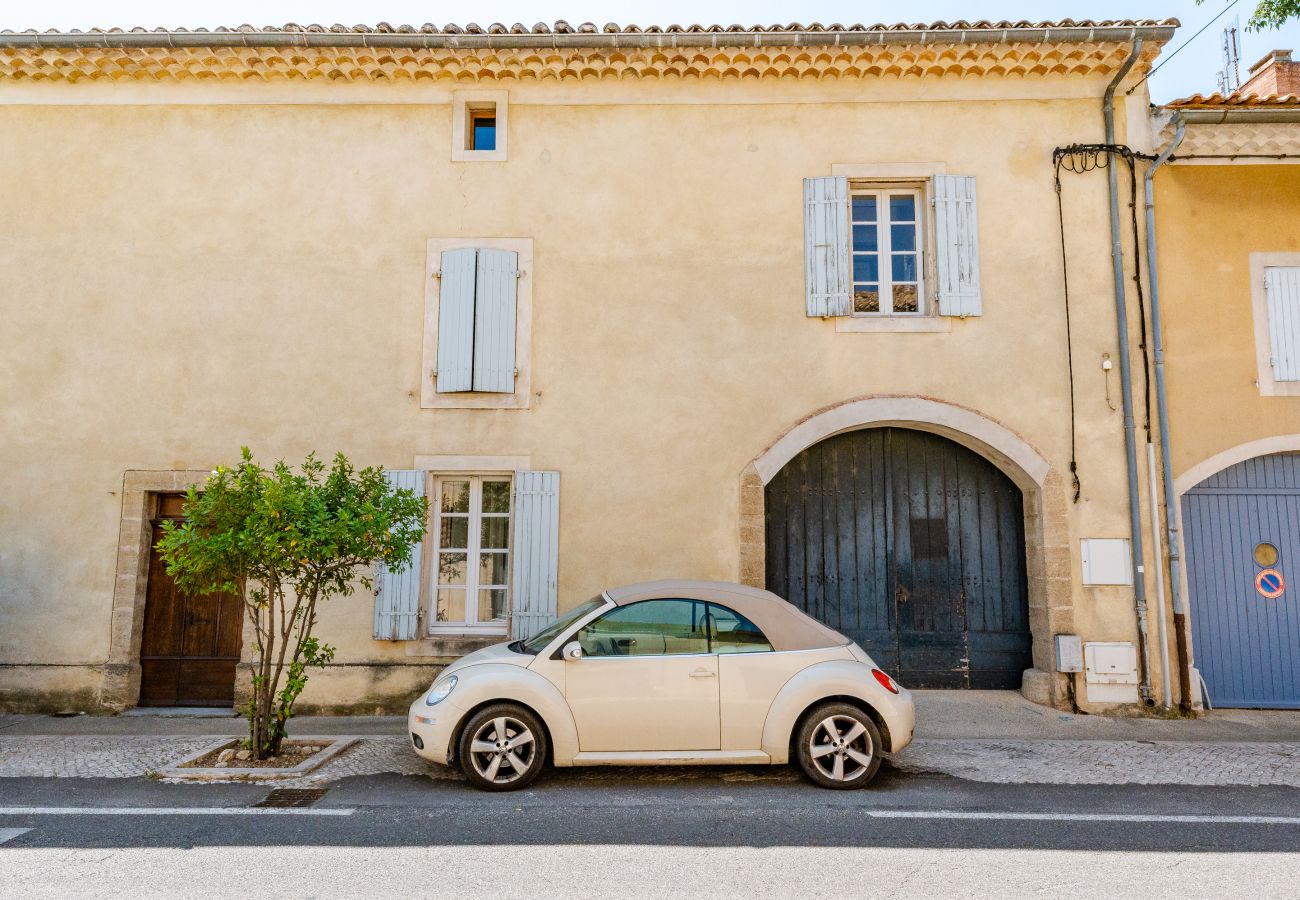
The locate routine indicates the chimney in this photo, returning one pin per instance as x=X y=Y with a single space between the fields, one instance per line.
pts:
x=1276 y=73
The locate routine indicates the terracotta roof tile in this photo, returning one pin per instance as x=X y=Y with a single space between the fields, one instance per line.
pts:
x=1236 y=100
x=563 y=27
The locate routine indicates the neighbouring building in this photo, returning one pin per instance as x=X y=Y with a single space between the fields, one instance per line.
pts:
x=1228 y=227
x=781 y=305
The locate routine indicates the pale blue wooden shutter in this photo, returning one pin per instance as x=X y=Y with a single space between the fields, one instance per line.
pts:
x=828 y=288
x=397 y=594
x=456 y=321
x=535 y=577
x=956 y=231
x=1282 y=284
x=494 y=321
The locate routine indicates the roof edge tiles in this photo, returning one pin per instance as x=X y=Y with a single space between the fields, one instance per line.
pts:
x=590 y=36
x=1235 y=100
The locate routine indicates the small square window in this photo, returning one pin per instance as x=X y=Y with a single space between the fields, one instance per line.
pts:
x=479 y=126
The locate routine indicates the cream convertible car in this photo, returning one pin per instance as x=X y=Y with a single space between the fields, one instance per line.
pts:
x=669 y=672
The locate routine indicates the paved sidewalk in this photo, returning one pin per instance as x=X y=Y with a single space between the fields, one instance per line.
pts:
x=978 y=736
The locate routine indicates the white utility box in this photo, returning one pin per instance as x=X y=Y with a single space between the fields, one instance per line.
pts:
x=1112 y=672
x=1106 y=561
x=1069 y=653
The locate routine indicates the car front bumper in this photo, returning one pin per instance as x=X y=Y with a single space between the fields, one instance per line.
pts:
x=430 y=728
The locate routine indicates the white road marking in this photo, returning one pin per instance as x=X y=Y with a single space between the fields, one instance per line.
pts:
x=1081 y=817
x=171 y=811
x=8 y=834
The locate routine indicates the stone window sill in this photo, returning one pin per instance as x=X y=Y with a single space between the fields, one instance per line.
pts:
x=893 y=325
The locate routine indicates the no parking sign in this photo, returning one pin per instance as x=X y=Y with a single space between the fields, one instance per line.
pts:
x=1270 y=584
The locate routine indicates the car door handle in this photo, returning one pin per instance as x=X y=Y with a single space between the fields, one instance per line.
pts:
x=703 y=673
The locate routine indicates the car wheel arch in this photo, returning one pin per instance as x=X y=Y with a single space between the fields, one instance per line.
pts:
x=832 y=680
x=856 y=702
x=472 y=711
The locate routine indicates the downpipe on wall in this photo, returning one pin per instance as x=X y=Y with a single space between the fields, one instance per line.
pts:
x=1172 y=521
x=1126 y=378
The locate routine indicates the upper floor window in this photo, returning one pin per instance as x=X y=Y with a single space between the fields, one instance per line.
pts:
x=472 y=553
x=1275 y=279
x=483 y=129
x=887 y=252
x=479 y=121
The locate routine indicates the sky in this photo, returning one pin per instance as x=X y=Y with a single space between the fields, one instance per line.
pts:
x=1191 y=71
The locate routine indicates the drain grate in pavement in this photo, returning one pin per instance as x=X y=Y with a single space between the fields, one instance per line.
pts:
x=287 y=798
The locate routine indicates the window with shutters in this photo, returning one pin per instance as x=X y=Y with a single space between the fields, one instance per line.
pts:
x=477 y=324
x=891 y=247
x=471 y=553
x=1276 y=301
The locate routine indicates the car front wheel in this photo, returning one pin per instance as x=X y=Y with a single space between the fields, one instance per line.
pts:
x=839 y=746
x=502 y=748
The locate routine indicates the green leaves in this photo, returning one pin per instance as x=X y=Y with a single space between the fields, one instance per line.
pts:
x=284 y=540
x=1271 y=14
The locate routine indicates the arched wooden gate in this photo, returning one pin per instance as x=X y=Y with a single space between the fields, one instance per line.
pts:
x=912 y=545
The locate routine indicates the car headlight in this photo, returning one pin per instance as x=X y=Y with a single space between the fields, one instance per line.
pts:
x=440 y=690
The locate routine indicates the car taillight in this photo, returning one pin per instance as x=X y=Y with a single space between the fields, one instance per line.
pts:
x=885 y=681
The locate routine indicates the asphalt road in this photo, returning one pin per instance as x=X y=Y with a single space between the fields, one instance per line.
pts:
x=662 y=833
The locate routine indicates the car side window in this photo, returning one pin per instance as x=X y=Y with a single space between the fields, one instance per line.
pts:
x=648 y=628
x=730 y=632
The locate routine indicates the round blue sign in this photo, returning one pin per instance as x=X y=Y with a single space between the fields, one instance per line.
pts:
x=1270 y=584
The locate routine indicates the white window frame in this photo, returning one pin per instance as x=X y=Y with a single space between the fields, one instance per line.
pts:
x=522 y=396
x=463 y=104
x=884 y=248
x=1268 y=385
x=473 y=551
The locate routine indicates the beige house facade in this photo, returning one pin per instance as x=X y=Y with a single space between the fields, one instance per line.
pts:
x=778 y=306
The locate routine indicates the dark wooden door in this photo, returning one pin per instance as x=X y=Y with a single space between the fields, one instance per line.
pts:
x=913 y=546
x=191 y=642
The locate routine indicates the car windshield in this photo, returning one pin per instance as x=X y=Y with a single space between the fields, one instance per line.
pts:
x=538 y=641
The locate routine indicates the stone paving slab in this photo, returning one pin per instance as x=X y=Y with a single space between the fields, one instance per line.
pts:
x=1000 y=761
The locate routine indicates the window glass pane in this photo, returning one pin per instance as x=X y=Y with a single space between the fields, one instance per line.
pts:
x=492 y=605
x=904 y=268
x=902 y=237
x=451 y=605
x=495 y=533
x=865 y=237
x=492 y=568
x=648 y=628
x=454 y=533
x=905 y=298
x=866 y=267
x=496 y=496
x=730 y=632
x=455 y=496
x=864 y=209
x=451 y=568
x=866 y=298
x=485 y=133
x=902 y=208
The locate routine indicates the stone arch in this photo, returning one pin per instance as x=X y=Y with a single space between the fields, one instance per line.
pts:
x=1048 y=560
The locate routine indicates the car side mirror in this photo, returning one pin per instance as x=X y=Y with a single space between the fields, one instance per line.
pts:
x=572 y=650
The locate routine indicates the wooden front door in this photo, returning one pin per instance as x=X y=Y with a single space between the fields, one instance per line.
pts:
x=191 y=641
x=913 y=546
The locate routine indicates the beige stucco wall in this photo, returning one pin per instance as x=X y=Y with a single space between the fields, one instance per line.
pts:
x=195 y=267
x=1214 y=398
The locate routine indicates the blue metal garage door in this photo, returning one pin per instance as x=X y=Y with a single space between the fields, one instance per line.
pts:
x=1243 y=546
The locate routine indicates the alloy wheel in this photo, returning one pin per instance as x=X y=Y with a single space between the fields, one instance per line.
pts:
x=502 y=750
x=841 y=748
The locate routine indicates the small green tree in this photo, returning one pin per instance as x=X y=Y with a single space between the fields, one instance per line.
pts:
x=283 y=541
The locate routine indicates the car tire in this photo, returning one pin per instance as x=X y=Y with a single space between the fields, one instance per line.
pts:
x=502 y=748
x=847 y=759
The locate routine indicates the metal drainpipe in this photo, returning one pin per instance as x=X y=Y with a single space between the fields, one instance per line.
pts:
x=1126 y=380
x=1172 y=526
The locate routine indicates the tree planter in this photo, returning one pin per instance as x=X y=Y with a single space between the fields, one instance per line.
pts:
x=239 y=770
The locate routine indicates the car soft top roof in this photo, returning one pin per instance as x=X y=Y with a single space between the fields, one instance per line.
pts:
x=785 y=626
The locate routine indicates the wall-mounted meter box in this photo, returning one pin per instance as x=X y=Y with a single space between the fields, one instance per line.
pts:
x=1106 y=561
x=1069 y=653
x=1112 y=672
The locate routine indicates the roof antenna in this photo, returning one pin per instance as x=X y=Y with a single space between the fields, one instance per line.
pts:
x=1230 y=75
